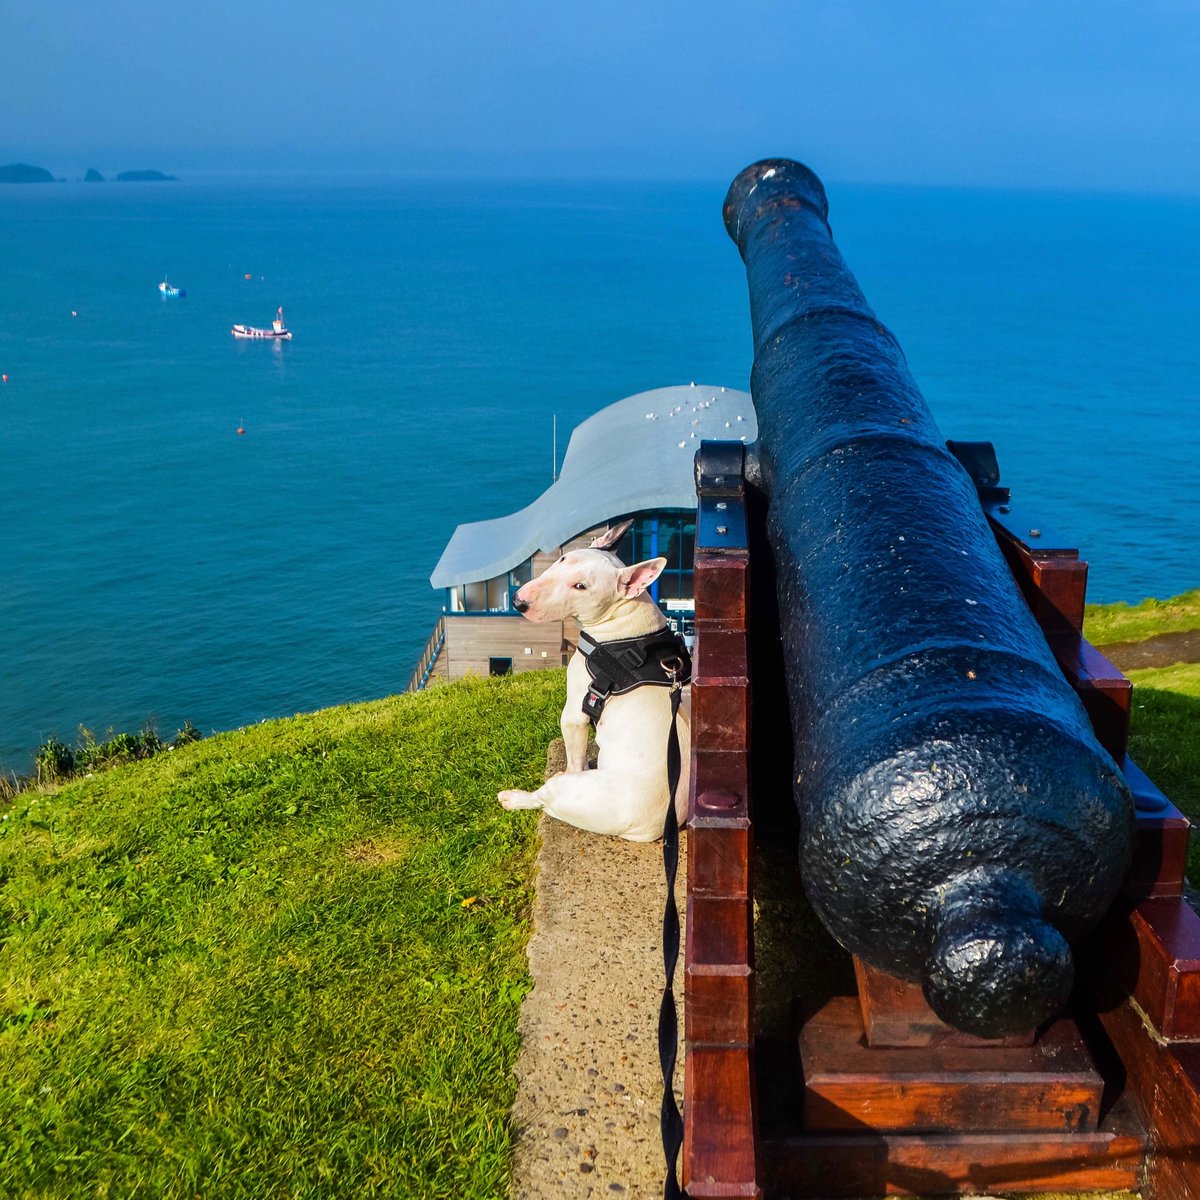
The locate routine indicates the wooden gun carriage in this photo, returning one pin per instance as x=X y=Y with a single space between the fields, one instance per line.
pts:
x=931 y=1078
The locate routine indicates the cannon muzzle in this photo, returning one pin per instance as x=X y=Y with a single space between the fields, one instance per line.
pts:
x=960 y=824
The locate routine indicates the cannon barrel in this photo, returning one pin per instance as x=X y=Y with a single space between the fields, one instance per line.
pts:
x=959 y=822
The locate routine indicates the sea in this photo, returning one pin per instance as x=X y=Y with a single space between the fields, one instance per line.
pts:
x=195 y=528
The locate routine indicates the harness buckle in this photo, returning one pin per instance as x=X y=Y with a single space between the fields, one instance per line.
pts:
x=593 y=702
x=672 y=666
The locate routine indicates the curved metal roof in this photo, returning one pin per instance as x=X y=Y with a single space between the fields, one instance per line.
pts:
x=634 y=455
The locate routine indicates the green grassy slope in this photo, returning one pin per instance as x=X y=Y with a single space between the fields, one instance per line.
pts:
x=282 y=962
x=1104 y=624
x=1164 y=738
x=288 y=961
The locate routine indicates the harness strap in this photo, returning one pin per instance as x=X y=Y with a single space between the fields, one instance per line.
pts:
x=619 y=666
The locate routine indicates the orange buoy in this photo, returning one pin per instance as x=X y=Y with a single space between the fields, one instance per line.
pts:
x=248 y=275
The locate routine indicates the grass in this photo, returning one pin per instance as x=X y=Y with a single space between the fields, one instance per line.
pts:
x=1183 y=678
x=282 y=962
x=1165 y=726
x=1104 y=624
x=1164 y=738
x=287 y=962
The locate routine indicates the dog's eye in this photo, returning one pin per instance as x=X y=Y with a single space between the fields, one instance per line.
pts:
x=580 y=587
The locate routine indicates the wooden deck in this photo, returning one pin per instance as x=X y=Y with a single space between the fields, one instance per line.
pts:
x=471 y=642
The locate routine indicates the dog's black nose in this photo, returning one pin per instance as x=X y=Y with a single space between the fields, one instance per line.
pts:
x=519 y=604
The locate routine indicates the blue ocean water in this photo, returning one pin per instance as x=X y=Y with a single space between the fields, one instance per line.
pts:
x=156 y=564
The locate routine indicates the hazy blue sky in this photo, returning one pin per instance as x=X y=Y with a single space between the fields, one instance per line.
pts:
x=1044 y=93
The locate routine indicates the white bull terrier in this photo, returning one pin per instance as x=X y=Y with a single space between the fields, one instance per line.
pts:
x=627 y=793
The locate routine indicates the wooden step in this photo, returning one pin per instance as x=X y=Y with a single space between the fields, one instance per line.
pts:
x=895 y=1013
x=1163 y=1083
x=1052 y=1086
x=858 y=1164
x=720 y=1148
x=1046 y=567
x=1104 y=691
x=720 y=1159
x=1152 y=953
x=1160 y=845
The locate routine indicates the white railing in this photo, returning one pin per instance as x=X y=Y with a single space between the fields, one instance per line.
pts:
x=424 y=667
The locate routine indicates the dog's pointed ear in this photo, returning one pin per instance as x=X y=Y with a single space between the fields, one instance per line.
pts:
x=610 y=537
x=633 y=581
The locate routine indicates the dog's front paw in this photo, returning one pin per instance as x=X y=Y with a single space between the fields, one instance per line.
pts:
x=518 y=799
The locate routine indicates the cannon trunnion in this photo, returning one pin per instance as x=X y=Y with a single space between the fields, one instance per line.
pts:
x=960 y=824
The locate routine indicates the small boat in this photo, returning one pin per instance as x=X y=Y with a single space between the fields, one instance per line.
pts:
x=168 y=289
x=278 y=331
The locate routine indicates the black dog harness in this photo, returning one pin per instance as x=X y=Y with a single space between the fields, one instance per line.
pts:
x=660 y=658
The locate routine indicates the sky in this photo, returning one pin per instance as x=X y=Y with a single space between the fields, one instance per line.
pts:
x=1064 y=94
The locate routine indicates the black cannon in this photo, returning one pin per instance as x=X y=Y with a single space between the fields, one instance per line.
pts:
x=960 y=825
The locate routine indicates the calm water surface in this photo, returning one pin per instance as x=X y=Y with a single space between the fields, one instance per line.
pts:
x=158 y=565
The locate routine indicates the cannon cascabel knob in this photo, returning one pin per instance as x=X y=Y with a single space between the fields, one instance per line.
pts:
x=995 y=965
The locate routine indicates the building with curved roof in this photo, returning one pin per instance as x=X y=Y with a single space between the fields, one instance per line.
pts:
x=631 y=459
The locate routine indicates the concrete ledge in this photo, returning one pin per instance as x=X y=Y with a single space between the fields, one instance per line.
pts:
x=589 y=1085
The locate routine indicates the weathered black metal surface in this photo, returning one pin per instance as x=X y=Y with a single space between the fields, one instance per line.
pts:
x=959 y=822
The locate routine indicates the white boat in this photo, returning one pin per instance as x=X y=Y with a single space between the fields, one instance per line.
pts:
x=168 y=289
x=277 y=333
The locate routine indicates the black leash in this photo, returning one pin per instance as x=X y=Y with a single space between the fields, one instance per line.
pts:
x=668 y=1018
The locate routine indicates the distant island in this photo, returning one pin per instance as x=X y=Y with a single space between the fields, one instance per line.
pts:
x=24 y=173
